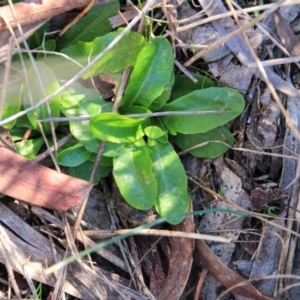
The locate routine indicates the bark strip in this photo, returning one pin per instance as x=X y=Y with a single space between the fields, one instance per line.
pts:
x=28 y=13
x=30 y=182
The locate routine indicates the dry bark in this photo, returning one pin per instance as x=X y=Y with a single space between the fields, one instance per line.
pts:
x=35 y=184
x=36 y=10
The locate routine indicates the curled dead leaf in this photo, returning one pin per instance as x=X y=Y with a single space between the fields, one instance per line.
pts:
x=180 y=262
x=228 y=278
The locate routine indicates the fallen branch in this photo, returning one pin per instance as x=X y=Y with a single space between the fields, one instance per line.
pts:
x=37 y=10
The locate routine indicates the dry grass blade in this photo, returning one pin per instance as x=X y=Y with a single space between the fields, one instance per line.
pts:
x=82 y=238
x=156 y=232
x=37 y=247
x=286 y=34
x=4 y=240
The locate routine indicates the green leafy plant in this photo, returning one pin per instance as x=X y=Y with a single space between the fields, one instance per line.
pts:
x=157 y=111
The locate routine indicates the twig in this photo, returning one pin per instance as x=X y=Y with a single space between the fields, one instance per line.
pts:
x=121 y=89
x=4 y=254
x=78 y=17
x=8 y=249
x=234 y=33
x=71 y=245
x=200 y=284
x=60 y=143
x=146 y=115
x=221 y=16
x=185 y=71
x=277 y=61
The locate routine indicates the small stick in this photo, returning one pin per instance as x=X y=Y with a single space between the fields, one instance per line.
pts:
x=200 y=284
x=77 y=18
x=146 y=115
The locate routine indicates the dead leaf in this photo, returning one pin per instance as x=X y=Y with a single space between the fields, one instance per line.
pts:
x=238 y=46
x=152 y=263
x=228 y=225
x=261 y=198
x=28 y=181
x=225 y=276
x=268 y=256
x=286 y=34
x=180 y=262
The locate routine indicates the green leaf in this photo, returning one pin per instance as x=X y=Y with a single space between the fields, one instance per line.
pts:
x=116 y=128
x=210 y=99
x=210 y=150
x=73 y=156
x=121 y=56
x=163 y=139
x=171 y=181
x=94 y=24
x=5 y=2
x=84 y=171
x=81 y=101
x=49 y=45
x=82 y=133
x=133 y=109
x=105 y=161
x=69 y=144
x=184 y=85
x=93 y=106
x=50 y=84
x=17 y=133
x=78 y=100
x=133 y=174
x=12 y=103
x=159 y=102
x=70 y=103
x=157 y=134
x=23 y=122
x=37 y=38
x=151 y=73
x=112 y=149
x=154 y=132
x=29 y=148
